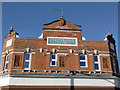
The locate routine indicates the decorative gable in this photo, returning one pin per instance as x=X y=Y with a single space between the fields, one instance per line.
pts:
x=61 y=24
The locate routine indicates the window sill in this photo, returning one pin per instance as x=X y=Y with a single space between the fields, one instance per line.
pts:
x=83 y=67
x=53 y=66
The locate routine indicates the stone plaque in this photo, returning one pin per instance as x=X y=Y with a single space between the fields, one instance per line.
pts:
x=62 y=41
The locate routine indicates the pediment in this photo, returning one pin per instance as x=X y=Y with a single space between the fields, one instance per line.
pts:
x=61 y=24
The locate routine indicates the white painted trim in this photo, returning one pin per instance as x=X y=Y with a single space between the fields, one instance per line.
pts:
x=55 y=70
x=62 y=53
x=90 y=54
x=63 y=30
x=104 y=54
x=92 y=51
x=11 y=50
x=53 y=50
x=47 y=53
x=32 y=52
x=71 y=51
x=60 y=50
x=96 y=51
x=28 y=49
x=99 y=63
x=83 y=51
x=63 y=44
x=23 y=81
x=30 y=61
x=4 y=81
x=86 y=60
x=104 y=51
x=76 y=54
x=16 y=52
x=7 y=50
x=77 y=50
x=3 y=55
x=41 y=49
x=41 y=36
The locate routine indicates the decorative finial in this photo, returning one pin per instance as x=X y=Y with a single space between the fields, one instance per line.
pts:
x=109 y=33
x=61 y=16
x=11 y=28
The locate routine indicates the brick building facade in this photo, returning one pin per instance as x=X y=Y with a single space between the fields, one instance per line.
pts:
x=59 y=59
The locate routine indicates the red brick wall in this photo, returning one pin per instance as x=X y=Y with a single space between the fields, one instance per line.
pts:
x=37 y=44
x=41 y=60
x=61 y=24
x=61 y=34
x=8 y=37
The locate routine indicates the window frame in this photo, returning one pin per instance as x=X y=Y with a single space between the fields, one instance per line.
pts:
x=112 y=46
x=86 y=64
x=19 y=61
x=114 y=64
x=96 y=62
x=25 y=60
x=53 y=60
x=104 y=61
x=6 y=61
x=62 y=61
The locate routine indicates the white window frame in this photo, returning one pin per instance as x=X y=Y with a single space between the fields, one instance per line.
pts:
x=6 y=61
x=53 y=60
x=86 y=64
x=63 y=44
x=27 y=61
x=97 y=62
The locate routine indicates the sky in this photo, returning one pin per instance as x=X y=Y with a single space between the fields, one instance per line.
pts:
x=27 y=18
